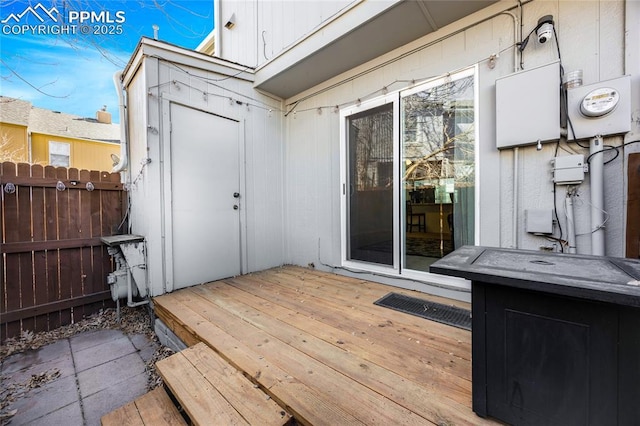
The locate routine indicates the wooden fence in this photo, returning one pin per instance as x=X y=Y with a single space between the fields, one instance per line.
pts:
x=54 y=265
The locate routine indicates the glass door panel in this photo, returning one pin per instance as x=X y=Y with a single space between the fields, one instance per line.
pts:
x=370 y=204
x=438 y=171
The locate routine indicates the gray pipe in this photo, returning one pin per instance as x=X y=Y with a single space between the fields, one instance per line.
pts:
x=596 y=180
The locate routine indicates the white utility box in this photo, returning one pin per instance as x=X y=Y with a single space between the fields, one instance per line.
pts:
x=528 y=106
x=568 y=169
x=539 y=221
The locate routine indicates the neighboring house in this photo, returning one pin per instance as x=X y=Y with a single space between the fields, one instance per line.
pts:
x=362 y=137
x=40 y=136
x=208 y=45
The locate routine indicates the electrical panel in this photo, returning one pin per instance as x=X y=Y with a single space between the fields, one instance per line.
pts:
x=602 y=108
x=568 y=169
x=538 y=221
x=528 y=107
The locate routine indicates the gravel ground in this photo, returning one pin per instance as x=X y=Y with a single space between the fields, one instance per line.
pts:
x=132 y=321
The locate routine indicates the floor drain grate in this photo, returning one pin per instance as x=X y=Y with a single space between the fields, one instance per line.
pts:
x=450 y=315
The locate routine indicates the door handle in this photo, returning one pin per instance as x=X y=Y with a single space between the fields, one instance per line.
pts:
x=236 y=195
x=235 y=207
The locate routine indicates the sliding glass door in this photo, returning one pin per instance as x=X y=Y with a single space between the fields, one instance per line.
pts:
x=438 y=169
x=409 y=176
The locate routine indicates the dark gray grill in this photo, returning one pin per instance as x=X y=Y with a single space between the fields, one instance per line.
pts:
x=445 y=314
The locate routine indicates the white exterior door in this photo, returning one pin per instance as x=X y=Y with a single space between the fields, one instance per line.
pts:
x=205 y=196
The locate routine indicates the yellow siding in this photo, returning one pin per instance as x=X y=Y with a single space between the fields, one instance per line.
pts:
x=14 y=143
x=84 y=154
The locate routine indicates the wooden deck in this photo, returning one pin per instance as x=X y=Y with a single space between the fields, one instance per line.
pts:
x=317 y=345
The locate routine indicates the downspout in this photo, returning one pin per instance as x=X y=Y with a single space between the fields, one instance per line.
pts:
x=122 y=108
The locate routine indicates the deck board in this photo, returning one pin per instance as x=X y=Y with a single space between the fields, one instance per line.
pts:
x=250 y=402
x=394 y=350
x=320 y=348
x=368 y=320
x=201 y=400
x=126 y=415
x=154 y=408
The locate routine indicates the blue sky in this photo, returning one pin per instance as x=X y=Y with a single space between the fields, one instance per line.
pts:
x=73 y=73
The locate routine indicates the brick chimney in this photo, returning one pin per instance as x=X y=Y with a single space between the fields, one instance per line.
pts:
x=103 y=116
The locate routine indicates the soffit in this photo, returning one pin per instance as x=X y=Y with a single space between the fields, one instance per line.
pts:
x=342 y=45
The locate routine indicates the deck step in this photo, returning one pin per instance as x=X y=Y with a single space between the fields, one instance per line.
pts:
x=211 y=391
x=151 y=409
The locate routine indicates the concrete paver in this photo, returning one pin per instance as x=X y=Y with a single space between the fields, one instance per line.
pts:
x=96 y=372
x=90 y=339
x=62 y=365
x=109 y=374
x=145 y=347
x=107 y=400
x=68 y=415
x=46 y=400
x=51 y=352
x=112 y=347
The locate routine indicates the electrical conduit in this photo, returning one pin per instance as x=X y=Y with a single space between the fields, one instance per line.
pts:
x=516 y=67
x=571 y=227
x=596 y=180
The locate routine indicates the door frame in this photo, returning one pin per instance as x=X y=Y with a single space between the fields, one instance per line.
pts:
x=166 y=188
x=344 y=179
x=398 y=270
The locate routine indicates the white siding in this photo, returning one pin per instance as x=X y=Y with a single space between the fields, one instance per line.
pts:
x=144 y=196
x=266 y=28
x=591 y=35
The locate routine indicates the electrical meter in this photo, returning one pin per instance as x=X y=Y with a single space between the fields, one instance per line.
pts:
x=599 y=102
x=602 y=108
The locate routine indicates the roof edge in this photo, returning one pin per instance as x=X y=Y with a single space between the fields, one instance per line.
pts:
x=170 y=52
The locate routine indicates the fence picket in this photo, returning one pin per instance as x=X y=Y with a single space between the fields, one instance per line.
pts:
x=38 y=230
x=27 y=294
x=73 y=231
x=64 y=266
x=111 y=216
x=51 y=205
x=97 y=254
x=11 y=282
x=88 y=285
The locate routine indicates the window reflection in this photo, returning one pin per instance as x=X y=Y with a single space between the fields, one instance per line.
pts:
x=438 y=179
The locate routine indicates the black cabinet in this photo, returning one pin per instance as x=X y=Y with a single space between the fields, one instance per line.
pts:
x=555 y=338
